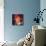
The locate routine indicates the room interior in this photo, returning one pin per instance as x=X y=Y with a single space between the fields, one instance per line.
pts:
x=27 y=32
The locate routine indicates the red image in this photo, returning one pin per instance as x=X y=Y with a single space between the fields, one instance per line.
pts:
x=17 y=19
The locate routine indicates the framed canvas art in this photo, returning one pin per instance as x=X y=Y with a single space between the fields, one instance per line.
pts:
x=17 y=19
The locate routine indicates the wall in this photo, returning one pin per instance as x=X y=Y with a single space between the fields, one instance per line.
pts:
x=43 y=6
x=1 y=21
x=26 y=7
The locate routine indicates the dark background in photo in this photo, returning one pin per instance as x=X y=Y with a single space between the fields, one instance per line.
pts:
x=17 y=19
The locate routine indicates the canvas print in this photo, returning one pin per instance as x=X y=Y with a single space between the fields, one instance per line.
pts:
x=17 y=19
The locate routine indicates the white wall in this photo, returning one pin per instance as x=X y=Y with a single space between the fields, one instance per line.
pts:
x=43 y=6
x=1 y=21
